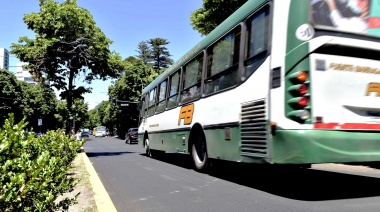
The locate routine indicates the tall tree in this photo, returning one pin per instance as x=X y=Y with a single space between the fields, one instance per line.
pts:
x=213 y=13
x=145 y=52
x=160 y=54
x=67 y=44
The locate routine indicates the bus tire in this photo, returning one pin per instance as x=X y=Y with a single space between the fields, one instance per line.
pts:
x=199 y=153
x=147 y=148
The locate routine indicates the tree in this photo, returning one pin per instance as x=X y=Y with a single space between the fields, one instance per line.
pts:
x=32 y=102
x=67 y=44
x=129 y=88
x=38 y=102
x=145 y=52
x=213 y=13
x=79 y=115
x=93 y=119
x=160 y=54
x=9 y=91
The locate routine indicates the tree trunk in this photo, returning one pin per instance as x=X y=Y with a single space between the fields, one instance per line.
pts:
x=70 y=102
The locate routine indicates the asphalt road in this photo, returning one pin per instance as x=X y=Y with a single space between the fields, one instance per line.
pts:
x=138 y=183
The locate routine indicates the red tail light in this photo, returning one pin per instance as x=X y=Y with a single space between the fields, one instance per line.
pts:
x=303 y=89
x=303 y=102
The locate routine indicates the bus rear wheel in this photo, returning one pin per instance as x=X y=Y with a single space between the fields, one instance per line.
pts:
x=199 y=153
x=147 y=149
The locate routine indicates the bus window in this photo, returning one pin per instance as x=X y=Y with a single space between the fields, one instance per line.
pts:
x=161 y=97
x=192 y=76
x=223 y=63
x=257 y=41
x=142 y=109
x=152 y=102
x=173 y=90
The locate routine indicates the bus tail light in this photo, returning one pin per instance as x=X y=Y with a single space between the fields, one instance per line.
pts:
x=303 y=89
x=300 y=89
x=303 y=101
x=299 y=77
x=299 y=102
x=301 y=115
x=302 y=76
x=298 y=93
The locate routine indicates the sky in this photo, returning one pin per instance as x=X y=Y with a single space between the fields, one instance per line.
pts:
x=125 y=22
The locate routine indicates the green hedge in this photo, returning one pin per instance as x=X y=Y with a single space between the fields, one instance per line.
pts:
x=34 y=171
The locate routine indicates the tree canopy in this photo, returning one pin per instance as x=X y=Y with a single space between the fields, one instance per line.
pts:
x=67 y=45
x=213 y=13
x=160 y=54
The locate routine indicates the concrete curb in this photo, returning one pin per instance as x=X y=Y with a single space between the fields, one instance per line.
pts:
x=102 y=199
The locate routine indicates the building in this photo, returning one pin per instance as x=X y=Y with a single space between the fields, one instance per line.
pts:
x=23 y=74
x=4 y=59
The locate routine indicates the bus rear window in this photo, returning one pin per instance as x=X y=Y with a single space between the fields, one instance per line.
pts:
x=358 y=16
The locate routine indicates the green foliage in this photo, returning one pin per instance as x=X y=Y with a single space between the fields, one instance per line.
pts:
x=25 y=100
x=213 y=13
x=145 y=52
x=9 y=91
x=67 y=45
x=129 y=87
x=34 y=171
x=160 y=54
x=93 y=119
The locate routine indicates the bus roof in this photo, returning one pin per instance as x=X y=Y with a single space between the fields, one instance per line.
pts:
x=239 y=15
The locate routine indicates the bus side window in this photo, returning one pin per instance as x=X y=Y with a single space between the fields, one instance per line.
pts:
x=223 y=62
x=161 y=97
x=142 y=109
x=192 y=77
x=152 y=102
x=146 y=102
x=174 y=89
x=257 y=35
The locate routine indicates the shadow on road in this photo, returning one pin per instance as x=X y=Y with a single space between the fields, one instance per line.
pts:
x=288 y=182
x=99 y=154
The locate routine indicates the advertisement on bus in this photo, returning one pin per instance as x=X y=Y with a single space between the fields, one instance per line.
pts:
x=358 y=16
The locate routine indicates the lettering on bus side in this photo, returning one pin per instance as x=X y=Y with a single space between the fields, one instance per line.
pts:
x=373 y=87
x=186 y=113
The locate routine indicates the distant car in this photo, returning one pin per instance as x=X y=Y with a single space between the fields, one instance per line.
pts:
x=131 y=136
x=85 y=134
x=99 y=134
x=101 y=131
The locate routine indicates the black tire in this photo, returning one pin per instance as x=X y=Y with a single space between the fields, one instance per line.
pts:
x=147 y=148
x=199 y=153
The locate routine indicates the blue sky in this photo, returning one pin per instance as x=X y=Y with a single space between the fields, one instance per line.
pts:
x=125 y=22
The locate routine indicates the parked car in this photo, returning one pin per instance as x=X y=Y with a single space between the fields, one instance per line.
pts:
x=131 y=136
x=85 y=134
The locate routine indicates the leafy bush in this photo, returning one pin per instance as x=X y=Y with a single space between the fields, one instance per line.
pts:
x=34 y=171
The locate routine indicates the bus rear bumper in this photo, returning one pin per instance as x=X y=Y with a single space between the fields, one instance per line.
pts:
x=325 y=146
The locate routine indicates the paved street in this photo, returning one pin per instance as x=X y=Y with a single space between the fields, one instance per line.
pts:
x=138 y=183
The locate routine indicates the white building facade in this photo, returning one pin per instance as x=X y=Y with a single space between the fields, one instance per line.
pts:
x=23 y=74
x=4 y=59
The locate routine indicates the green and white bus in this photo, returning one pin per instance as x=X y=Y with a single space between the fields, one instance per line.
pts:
x=278 y=82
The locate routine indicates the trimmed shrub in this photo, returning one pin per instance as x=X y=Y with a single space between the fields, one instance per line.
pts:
x=34 y=171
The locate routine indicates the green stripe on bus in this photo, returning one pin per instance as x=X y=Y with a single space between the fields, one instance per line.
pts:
x=325 y=146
